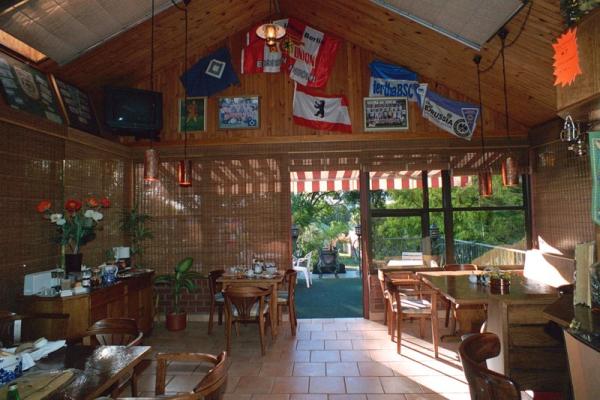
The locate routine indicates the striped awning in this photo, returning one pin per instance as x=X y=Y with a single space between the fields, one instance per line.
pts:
x=327 y=181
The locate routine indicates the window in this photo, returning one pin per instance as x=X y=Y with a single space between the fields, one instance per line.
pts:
x=19 y=47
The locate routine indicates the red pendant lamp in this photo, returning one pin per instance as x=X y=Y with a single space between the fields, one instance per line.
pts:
x=484 y=176
x=510 y=165
x=184 y=169
x=151 y=155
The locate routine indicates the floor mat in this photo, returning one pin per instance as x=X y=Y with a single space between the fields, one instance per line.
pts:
x=329 y=298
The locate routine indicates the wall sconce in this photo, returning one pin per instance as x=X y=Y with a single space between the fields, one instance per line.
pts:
x=571 y=134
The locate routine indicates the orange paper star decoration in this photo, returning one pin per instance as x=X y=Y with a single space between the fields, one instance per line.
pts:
x=566 y=58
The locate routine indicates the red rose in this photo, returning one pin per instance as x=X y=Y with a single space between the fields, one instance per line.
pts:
x=43 y=206
x=105 y=202
x=72 y=205
x=92 y=202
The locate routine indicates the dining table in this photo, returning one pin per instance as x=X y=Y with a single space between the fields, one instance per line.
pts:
x=96 y=371
x=470 y=298
x=272 y=281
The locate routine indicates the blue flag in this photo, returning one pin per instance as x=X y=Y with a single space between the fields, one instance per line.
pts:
x=210 y=75
x=390 y=80
x=456 y=117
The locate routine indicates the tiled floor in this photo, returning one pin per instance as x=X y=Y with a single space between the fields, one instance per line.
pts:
x=329 y=359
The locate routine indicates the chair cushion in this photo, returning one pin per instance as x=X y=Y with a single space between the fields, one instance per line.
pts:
x=413 y=305
x=219 y=298
x=253 y=310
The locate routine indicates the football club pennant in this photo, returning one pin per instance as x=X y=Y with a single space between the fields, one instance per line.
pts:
x=305 y=53
x=456 y=117
x=390 y=80
x=210 y=75
x=319 y=111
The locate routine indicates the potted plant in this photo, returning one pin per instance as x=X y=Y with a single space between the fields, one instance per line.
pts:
x=133 y=224
x=76 y=225
x=181 y=279
x=499 y=280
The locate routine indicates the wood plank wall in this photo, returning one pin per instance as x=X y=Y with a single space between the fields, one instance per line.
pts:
x=350 y=77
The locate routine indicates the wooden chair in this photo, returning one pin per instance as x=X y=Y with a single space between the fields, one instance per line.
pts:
x=117 y=332
x=414 y=302
x=286 y=298
x=247 y=304
x=485 y=384
x=216 y=297
x=449 y=305
x=15 y=328
x=404 y=280
x=211 y=387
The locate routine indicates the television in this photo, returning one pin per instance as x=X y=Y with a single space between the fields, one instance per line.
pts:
x=133 y=111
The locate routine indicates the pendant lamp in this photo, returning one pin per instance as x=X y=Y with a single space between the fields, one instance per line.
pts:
x=270 y=32
x=484 y=176
x=184 y=169
x=510 y=166
x=151 y=155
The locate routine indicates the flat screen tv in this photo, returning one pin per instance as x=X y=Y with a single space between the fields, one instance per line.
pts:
x=133 y=111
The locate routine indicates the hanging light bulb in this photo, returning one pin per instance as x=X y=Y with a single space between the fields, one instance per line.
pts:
x=184 y=173
x=151 y=165
x=510 y=165
x=151 y=155
x=184 y=169
x=484 y=178
x=270 y=32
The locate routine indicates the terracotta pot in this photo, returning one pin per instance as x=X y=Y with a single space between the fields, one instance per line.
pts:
x=176 y=322
x=73 y=262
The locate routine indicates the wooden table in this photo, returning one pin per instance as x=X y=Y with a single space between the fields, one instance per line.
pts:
x=242 y=280
x=101 y=368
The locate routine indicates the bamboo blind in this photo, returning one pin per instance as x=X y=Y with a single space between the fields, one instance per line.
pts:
x=235 y=210
x=561 y=198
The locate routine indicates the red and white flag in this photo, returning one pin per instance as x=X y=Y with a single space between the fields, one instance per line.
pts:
x=307 y=54
x=319 y=111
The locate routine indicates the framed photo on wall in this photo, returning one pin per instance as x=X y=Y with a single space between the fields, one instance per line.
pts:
x=385 y=113
x=240 y=112
x=77 y=106
x=196 y=114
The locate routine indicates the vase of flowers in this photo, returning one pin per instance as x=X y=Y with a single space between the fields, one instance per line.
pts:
x=76 y=225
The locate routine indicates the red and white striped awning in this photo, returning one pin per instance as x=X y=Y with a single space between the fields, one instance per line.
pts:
x=327 y=181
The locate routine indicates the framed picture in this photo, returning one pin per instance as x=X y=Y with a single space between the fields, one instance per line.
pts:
x=28 y=89
x=196 y=114
x=77 y=107
x=241 y=112
x=385 y=113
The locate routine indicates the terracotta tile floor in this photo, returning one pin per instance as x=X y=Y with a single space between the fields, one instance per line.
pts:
x=329 y=359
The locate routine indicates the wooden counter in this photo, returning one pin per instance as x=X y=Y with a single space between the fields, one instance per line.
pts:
x=130 y=297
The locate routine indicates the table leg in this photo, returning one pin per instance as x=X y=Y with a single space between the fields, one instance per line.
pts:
x=273 y=312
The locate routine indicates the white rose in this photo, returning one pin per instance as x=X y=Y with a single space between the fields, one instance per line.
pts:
x=55 y=217
x=89 y=214
x=61 y=222
x=97 y=216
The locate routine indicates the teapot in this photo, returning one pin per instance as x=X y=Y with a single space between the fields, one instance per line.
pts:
x=258 y=267
x=109 y=274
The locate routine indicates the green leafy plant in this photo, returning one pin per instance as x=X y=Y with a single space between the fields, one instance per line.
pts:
x=180 y=280
x=497 y=273
x=133 y=224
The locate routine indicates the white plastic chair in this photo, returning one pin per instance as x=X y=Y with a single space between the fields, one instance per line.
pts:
x=303 y=265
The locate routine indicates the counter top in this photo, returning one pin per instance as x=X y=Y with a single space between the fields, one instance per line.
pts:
x=563 y=312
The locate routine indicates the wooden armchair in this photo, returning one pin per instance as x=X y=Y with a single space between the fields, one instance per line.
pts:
x=286 y=298
x=412 y=302
x=247 y=304
x=217 y=301
x=485 y=384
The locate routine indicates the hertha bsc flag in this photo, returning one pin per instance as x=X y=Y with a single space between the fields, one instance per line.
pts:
x=323 y=112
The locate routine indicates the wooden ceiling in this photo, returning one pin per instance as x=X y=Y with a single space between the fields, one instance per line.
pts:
x=532 y=97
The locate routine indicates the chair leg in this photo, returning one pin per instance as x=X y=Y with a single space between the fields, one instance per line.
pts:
x=292 y=314
x=261 y=332
x=210 y=316
x=220 y=310
x=435 y=334
x=448 y=305
x=422 y=327
x=399 y=332
x=306 y=277
x=228 y=324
